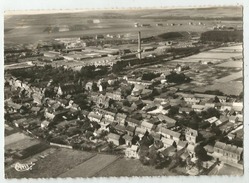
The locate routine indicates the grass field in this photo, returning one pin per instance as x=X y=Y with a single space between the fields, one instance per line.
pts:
x=229 y=170
x=231 y=77
x=91 y=166
x=53 y=165
x=7 y=129
x=231 y=64
x=15 y=137
x=212 y=55
x=228 y=88
x=131 y=167
x=22 y=144
x=30 y=29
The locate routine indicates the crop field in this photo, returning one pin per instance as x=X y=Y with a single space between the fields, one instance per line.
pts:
x=131 y=167
x=212 y=55
x=22 y=144
x=229 y=170
x=8 y=130
x=30 y=29
x=53 y=165
x=15 y=137
x=238 y=64
x=90 y=167
x=228 y=88
x=230 y=48
x=231 y=77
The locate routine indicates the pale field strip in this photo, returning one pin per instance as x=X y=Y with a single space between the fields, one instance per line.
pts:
x=131 y=167
x=90 y=167
x=54 y=162
x=231 y=77
x=231 y=64
x=15 y=138
x=229 y=88
x=22 y=144
x=212 y=55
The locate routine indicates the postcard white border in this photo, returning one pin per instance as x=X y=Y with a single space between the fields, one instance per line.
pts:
x=6 y=5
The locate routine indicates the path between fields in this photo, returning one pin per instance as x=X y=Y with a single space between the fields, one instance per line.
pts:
x=91 y=167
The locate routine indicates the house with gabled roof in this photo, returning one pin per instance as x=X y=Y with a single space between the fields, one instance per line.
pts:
x=130 y=130
x=120 y=118
x=184 y=109
x=212 y=120
x=146 y=126
x=181 y=145
x=115 y=138
x=120 y=129
x=170 y=134
x=132 y=152
x=94 y=117
x=227 y=152
x=198 y=107
x=233 y=119
x=128 y=139
x=140 y=132
x=191 y=135
x=168 y=152
x=164 y=118
x=102 y=101
x=222 y=120
x=168 y=142
x=133 y=122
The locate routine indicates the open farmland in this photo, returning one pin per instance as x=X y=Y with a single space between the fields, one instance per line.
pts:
x=15 y=137
x=22 y=144
x=90 y=167
x=131 y=167
x=53 y=165
x=214 y=55
x=231 y=77
x=7 y=129
x=30 y=29
x=228 y=88
x=226 y=170
x=238 y=64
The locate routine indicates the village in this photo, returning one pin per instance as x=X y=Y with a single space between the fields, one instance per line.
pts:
x=172 y=101
x=146 y=119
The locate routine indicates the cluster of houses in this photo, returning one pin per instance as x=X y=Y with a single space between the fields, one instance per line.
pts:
x=129 y=110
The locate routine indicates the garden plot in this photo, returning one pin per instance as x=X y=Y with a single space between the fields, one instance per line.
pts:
x=238 y=64
x=91 y=166
x=15 y=137
x=231 y=77
x=53 y=164
x=131 y=167
x=22 y=144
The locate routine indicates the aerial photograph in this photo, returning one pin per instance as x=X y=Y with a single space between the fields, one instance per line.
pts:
x=123 y=92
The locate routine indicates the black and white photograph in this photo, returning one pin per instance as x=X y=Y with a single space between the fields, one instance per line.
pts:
x=124 y=92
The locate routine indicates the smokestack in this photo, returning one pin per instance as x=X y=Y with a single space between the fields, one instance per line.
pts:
x=139 y=45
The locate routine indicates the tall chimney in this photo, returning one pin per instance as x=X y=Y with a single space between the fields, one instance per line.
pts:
x=139 y=45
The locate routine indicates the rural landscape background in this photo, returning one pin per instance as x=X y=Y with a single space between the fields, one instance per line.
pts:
x=215 y=69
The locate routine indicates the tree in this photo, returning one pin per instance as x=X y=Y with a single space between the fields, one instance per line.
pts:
x=173 y=111
x=201 y=153
x=177 y=78
x=153 y=156
x=95 y=88
x=216 y=99
x=149 y=76
x=116 y=68
x=111 y=146
x=213 y=112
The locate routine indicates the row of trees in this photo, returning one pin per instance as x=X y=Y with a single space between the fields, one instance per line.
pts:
x=173 y=77
x=223 y=36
